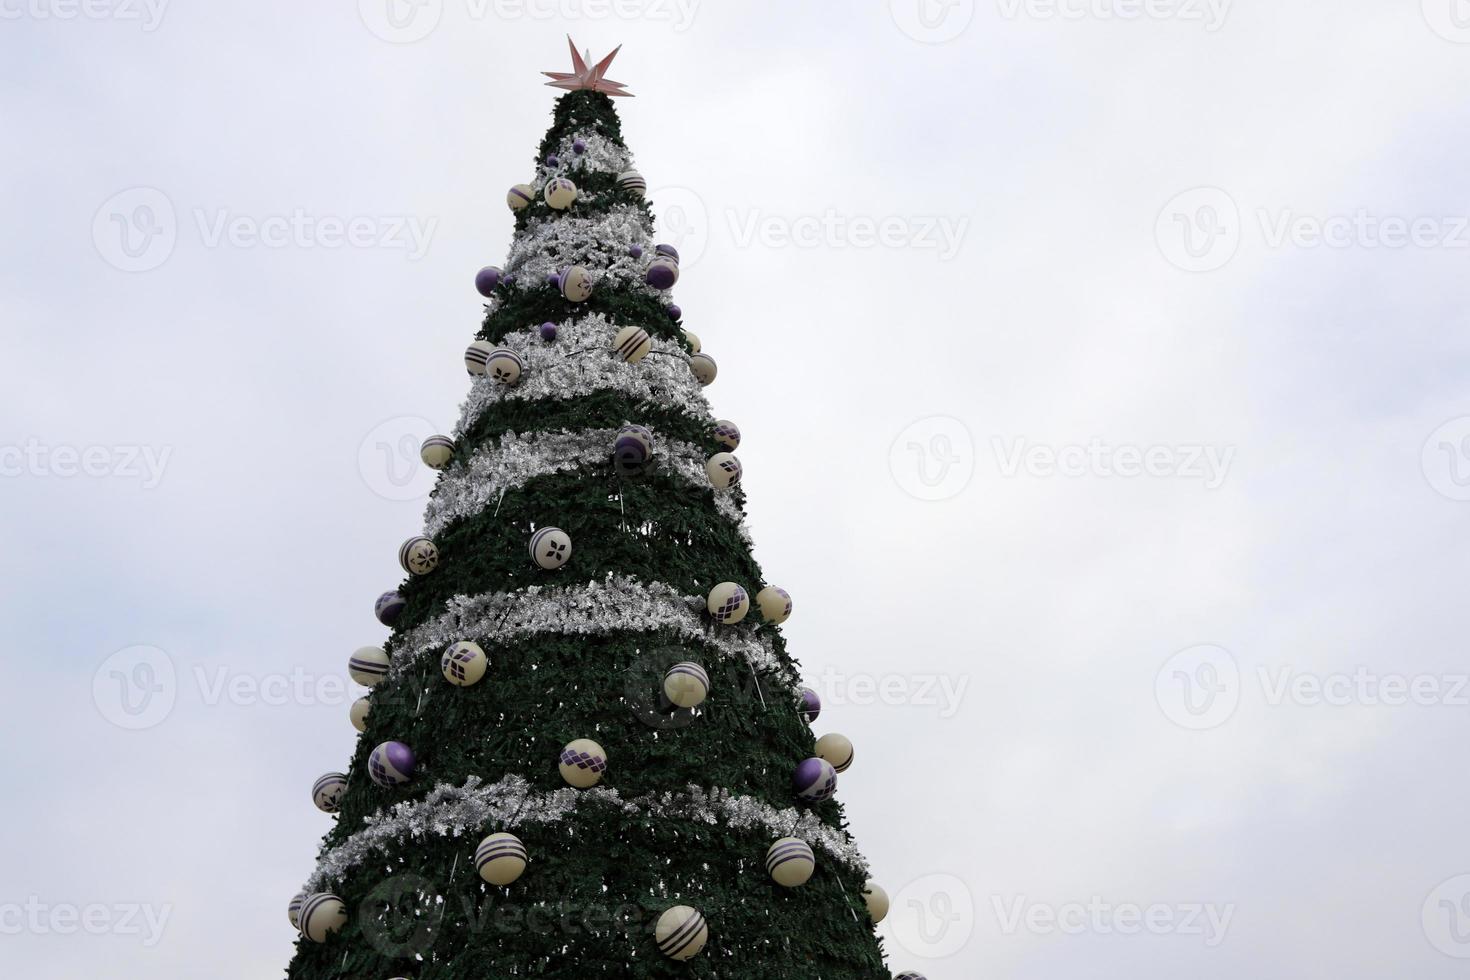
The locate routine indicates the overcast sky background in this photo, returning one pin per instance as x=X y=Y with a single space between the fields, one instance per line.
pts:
x=1140 y=726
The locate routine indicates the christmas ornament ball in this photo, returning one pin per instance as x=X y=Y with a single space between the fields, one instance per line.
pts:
x=437 y=451
x=836 y=749
x=327 y=792
x=877 y=900
x=504 y=366
x=704 y=368
x=728 y=603
x=727 y=434
x=368 y=665
x=662 y=273
x=551 y=547
x=723 y=471
x=632 y=449
x=632 y=344
x=391 y=764
x=774 y=604
x=388 y=607
x=667 y=252
x=692 y=339
x=293 y=909
x=641 y=433
x=814 y=780
x=487 y=279
x=575 y=284
x=674 y=312
x=464 y=663
x=686 y=685
x=520 y=196
x=579 y=147
x=359 y=713
x=321 y=915
x=476 y=355
x=552 y=160
x=632 y=182
x=501 y=858
x=635 y=251
x=560 y=193
x=681 y=933
x=809 y=704
x=910 y=975
x=582 y=763
x=548 y=331
x=790 y=862
x=418 y=555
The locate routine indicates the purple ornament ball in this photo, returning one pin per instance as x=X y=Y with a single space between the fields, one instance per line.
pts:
x=811 y=705
x=579 y=147
x=666 y=251
x=674 y=312
x=487 y=279
x=551 y=160
x=814 y=780
x=553 y=279
x=392 y=763
x=548 y=331
x=635 y=251
x=661 y=275
x=388 y=607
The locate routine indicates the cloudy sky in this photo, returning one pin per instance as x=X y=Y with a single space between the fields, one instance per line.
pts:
x=1102 y=370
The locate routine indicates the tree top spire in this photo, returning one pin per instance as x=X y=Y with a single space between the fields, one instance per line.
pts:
x=582 y=77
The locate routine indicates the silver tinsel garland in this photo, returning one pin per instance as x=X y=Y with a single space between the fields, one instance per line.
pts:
x=580 y=362
x=617 y=604
x=470 y=486
x=601 y=156
x=474 y=809
x=598 y=242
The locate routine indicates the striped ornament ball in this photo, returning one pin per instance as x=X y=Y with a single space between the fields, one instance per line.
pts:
x=727 y=434
x=790 y=862
x=551 y=547
x=632 y=182
x=418 y=555
x=391 y=764
x=662 y=273
x=723 y=470
x=704 y=368
x=388 y=607
x=582 y=763
x=728 y=603
x=327 y=792
x=774 y=604
x=681 y=933
x=504 y=365
x=437 y=451
x=836 y=749
x=560 y=193
x=877 y=901
x=575 y=284
x=359 y=713
x=815 y=781
x=368 y=666
x=293 y=909
x=501 y=858
x=632 y=344
x=464 y=663
x=321 y=915
x=686 y=685
x=476 y=356
x=520 y=196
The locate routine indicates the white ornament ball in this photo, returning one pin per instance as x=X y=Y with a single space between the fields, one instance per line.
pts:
x=504 y=366
x=418 y=555
x=835 y=749
x=575 y=284
x=551 y=547
x=686 y=685
x=704 y=368
x=681 y=933
x=790 y=862
x=728 y=603
x=727 y=434
x=662 y=274
x=464 y=663
x=582 y=763
x=501 y=858
x=692 y=339
x=359 y=713
x=476 y=355
x=368 y=666
x=321 y=915
x=723 y=470
x=327 y=792
x=632 y=181
x=632 y=344
x=877 y=900
x=520 y=196
x=293 y=909
x=774 y=603
x=437 y=451
x=560 y=193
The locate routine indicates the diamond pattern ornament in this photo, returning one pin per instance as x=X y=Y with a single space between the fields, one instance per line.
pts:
x=728 y=603
x=464 y=663
x=582 y=763
x=391 y=764
x=724 y=471
x=581 y=76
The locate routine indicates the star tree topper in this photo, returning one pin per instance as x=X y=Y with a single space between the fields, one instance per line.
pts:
x=594 y=78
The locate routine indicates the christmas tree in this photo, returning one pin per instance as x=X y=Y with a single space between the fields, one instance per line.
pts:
x=585 y=751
